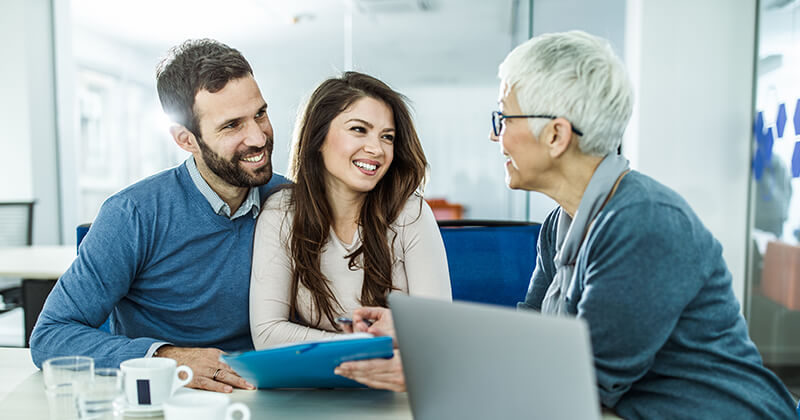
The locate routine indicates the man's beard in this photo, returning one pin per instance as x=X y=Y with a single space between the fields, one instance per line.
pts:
x=230 y=171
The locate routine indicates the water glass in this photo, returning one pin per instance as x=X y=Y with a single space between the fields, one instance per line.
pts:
x=63 y=377
x=103 y=398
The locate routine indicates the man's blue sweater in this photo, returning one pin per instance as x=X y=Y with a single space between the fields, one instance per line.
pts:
x=167 y=269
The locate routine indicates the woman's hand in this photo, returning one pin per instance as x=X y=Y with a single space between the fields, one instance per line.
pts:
x=376 y=373
x=381 y=323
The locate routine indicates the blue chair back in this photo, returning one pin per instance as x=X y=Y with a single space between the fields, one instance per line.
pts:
x=490 y=261
x=81 y=232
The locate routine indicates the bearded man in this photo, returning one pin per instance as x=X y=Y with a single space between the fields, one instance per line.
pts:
x=167 y=260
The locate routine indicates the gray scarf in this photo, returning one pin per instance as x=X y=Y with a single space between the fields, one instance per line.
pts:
x=570 y=232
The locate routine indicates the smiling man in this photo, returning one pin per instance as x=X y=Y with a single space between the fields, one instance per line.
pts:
x=168 y=258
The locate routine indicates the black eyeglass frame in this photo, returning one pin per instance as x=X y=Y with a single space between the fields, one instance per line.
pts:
x=498 y=117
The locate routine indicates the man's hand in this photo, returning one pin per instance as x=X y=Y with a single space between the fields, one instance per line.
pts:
x=376 y=373
x=209 y=372
x=381 y=318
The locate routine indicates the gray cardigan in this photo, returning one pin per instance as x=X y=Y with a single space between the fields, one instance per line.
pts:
x=667 y=335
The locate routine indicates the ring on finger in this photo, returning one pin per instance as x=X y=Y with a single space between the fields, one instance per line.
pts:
x=214 y=377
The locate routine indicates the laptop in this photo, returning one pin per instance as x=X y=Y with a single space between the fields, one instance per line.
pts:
x=474 y=361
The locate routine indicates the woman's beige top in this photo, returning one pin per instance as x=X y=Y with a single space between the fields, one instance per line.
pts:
x=419 y=269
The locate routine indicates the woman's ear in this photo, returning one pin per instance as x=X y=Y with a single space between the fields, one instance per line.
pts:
x=560 y=136
x=184 y=138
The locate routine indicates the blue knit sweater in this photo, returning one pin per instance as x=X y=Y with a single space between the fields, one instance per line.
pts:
x=668 y=339
x=164 y=265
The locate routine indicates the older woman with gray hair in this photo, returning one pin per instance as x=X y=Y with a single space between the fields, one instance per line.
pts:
x=622 y=251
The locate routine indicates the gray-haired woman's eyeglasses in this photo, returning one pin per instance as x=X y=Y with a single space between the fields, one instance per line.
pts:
x=498 y=117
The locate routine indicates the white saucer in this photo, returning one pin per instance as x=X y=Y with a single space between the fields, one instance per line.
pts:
x=144 y=410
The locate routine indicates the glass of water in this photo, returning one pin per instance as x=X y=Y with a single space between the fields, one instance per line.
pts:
x=63 y=377
x=102 y=398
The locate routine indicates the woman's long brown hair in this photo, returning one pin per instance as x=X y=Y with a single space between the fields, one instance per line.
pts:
x=312 y=213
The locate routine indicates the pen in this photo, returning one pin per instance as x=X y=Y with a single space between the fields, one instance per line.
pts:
x=349 y=321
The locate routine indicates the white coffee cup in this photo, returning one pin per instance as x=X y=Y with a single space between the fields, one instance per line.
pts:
x=203 y=406
x=149 y=381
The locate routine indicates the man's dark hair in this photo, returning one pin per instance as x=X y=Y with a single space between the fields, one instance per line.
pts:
x=192 y=66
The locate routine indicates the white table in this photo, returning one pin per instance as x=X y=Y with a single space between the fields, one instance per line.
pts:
x=23 y=397
x=16 y=365
x=39 y=267
x=40 y=262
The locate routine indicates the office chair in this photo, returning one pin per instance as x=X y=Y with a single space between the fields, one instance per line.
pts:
x=490 y=261
x=80 y=232
x=16 y=223
x=16 y=229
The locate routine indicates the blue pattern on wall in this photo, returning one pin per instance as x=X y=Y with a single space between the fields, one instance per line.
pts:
x=765 y=140
x=758 y=125
x=780 y=122
x=764 y=143
x=796 y=118
x=763 y=152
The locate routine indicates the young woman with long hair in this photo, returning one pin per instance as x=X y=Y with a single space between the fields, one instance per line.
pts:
x=353 y=226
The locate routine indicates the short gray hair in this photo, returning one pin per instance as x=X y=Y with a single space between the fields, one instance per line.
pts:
x=576 y=76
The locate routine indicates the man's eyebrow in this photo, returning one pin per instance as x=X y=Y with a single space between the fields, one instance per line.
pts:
x=220 y=127
x=228 y=122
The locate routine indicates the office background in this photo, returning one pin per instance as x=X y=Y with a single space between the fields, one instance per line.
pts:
x=81 y=118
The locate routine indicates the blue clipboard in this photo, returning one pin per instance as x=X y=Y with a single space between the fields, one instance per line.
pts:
x=307 y=365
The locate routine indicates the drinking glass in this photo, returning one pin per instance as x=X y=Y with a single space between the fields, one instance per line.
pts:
x=103 y=398
x=63 y=377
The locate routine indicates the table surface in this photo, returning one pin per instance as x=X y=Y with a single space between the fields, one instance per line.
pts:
x=42 y=262
x=22 y=396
